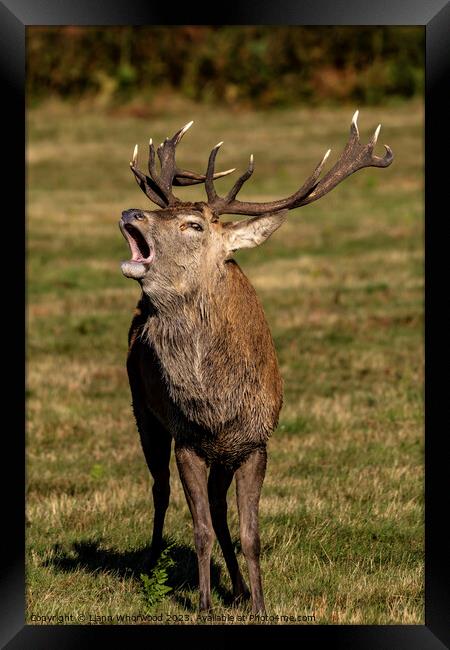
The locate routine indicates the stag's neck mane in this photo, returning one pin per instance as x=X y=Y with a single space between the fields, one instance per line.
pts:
x=210 y=311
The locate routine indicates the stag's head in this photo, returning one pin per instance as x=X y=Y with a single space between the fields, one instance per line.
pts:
x=182 y=245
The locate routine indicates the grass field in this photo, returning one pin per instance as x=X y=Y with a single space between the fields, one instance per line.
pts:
x=342 y=285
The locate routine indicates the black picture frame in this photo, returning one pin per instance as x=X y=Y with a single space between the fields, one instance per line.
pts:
x=434 y=15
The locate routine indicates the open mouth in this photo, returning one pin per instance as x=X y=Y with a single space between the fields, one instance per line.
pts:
x=140 y=250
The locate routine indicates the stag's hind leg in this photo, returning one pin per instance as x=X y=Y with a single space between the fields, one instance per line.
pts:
x=218 y=483
x=156 y=444
x=194 y=478
x=249 y=480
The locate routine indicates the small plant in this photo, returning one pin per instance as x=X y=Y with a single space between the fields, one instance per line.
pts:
x=97 y=471
x=154 y=585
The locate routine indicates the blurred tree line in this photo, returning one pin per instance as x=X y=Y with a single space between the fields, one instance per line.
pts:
x=258 y=65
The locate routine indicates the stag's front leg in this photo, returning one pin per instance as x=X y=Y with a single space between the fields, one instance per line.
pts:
x=194 y=478
x=249 y=480
x=156 y=444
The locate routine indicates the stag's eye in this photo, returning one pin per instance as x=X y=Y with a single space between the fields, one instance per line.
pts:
x=195 y=226
x=192 y=224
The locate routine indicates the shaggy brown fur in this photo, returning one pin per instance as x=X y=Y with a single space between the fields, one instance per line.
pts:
x=208 y=370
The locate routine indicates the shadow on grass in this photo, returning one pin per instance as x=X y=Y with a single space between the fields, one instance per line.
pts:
x=90 y=556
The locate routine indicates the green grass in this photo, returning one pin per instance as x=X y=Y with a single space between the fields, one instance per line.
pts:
x=342 y=284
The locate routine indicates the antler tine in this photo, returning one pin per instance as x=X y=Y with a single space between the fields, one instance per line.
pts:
x=355 y=156
x=169 y=145
x=209 y=180
x=179 y=134
x=240 y=181
x=152 y=160
x=186 y=177
x=354 y=125
x=145 y=183
x=375 y=135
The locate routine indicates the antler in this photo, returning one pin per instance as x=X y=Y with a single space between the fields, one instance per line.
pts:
x=354 y=156
x=158 y=187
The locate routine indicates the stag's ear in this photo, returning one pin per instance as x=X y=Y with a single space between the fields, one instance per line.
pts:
x=252 y=232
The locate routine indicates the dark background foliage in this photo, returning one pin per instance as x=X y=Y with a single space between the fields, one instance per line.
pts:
x=264 y=66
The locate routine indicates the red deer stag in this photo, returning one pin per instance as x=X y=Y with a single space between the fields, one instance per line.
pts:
x=201 y=363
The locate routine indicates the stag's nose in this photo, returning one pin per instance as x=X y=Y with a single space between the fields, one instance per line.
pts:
x=130 y=215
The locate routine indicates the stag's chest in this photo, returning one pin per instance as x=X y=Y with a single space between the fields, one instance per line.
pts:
x=178 y=374
x=209 y=388
x=180 y=353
